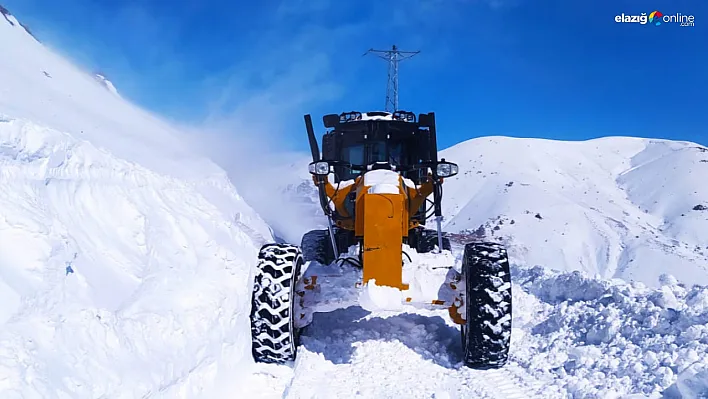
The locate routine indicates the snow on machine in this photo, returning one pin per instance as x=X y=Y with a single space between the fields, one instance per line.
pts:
x=385 y=166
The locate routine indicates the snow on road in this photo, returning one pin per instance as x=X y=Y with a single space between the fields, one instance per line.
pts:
x=350 y=352
x=408 y=355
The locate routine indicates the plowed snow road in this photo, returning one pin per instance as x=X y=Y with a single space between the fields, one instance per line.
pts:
x=351 y=353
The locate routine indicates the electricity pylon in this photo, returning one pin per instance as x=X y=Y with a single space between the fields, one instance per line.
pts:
x=393 y=56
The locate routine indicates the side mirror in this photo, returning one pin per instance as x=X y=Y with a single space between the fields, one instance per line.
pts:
x=320 y=168
x=446 y=169
x=331 y=120
x=425 y=120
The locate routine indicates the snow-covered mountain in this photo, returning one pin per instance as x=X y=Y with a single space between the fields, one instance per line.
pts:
x=617 y=207
x=125 y=259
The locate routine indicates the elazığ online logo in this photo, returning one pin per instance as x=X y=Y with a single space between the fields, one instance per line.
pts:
x=656 y=18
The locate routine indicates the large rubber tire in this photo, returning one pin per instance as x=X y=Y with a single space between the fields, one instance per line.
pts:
x=317 y=246
x=274 y=337
x=486 y=335
x=424 y=240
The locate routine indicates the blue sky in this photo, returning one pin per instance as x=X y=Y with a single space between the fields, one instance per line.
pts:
x=553 y=69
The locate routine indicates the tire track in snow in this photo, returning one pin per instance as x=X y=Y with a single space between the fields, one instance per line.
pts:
x=510 y=382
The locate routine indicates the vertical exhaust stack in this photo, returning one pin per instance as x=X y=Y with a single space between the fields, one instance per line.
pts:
x=321 y=181
x=314 y=148
x=316 y=157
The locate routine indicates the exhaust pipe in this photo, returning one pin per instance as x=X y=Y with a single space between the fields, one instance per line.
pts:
x=324 y=201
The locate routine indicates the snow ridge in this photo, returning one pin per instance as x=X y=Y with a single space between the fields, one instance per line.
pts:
x=13 y=21
x=50 y=91
x=106 y=83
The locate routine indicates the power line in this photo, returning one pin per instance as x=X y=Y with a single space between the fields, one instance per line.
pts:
x=393 y=56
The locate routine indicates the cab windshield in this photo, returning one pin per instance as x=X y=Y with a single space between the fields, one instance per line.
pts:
x=368 y=153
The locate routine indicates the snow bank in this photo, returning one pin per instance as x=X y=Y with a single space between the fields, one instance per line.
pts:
x=116 y=281
x=125 y=258
x=602 y=339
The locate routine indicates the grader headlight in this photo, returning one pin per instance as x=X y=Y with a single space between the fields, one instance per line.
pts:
x=447 y=169
x=320 y=168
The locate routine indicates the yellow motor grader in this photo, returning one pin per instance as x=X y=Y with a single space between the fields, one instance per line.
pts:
x=385 y=167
